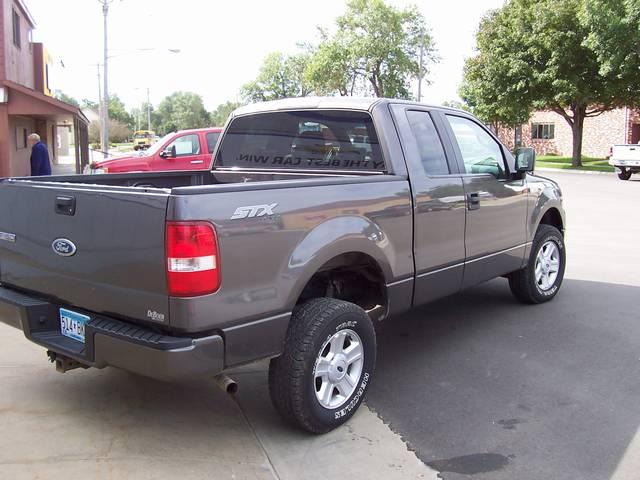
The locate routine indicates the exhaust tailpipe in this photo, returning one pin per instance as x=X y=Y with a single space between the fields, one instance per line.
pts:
x=226 y=384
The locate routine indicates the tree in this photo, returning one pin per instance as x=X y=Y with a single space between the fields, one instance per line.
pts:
x=332 y=68
x=63 y=97
x=118 y=112
x=140 y=116
x=118 y=132
x=378 y=43
x=221 y=113
x=545 y=54
x=181 y=110
x=280 y=76
x=457 y=104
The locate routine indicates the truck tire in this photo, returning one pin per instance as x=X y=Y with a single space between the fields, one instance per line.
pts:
x=136 y=148
x=624 y=174
x=540 y=280
x=326 y=367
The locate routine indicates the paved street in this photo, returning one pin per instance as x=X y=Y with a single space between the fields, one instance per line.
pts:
x=484 y=388
x=478 y=385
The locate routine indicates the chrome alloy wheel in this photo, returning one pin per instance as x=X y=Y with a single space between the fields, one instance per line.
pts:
x=547 y=265
x=338 y=368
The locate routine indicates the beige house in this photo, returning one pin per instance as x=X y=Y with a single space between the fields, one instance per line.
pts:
x=549 y=133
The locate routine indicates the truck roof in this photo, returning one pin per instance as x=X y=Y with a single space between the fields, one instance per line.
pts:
x=347 y=103
x=196 y=130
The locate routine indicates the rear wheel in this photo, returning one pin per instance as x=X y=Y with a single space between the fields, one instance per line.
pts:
x=624 y=174
x=541 y=279
x=136 y=148
x=326 y=367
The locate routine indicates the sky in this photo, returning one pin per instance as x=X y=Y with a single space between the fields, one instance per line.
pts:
x=221 y=43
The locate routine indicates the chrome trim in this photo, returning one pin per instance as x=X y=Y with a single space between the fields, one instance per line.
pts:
x=431 y=272
x=461 y=264
x=8 y=237
x=399 y=282
x=524 y=245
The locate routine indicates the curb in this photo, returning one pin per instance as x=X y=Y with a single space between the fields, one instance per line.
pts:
x=566 y=170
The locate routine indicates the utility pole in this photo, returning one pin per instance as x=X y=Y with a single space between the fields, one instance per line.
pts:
x=105 y=103
x=420 y=74
x=148 y=111
x=100 y=105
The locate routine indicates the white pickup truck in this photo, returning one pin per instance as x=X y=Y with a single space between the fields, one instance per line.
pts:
x=626 y=159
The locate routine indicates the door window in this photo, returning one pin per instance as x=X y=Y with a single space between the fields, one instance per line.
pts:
x=480 y=152
x=212 y=139
x=186 y=145
x=432 y=154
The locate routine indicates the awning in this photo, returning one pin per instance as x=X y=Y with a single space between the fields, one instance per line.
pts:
x=28 y=102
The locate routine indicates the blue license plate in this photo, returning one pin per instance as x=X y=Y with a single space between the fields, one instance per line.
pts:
x=72 y=324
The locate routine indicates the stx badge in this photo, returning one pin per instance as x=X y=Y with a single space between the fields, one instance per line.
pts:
x=253 y=211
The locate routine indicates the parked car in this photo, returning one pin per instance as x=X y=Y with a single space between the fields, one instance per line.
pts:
x=305 y=233
x=626 y=159
x=143 y=139
x=183 y=150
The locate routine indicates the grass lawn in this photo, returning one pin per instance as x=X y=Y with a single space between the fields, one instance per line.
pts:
x=588 y=163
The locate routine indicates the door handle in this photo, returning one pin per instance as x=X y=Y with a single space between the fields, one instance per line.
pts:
x=197 y=161
x=65 y=205
x=473 y=201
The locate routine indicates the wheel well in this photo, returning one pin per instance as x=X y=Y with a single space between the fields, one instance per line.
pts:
x=552 y=217
x=354 y=277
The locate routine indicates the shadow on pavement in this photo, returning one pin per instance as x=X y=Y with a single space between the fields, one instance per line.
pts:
x=483 y=387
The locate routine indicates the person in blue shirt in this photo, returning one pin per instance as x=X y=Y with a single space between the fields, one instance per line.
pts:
x=40 y=164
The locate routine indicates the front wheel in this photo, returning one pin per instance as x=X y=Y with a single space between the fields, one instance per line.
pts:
x=541 y=279
x=326 y=367
x=624 y=174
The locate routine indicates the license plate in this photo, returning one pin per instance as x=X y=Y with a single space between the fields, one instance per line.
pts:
x=72 y=324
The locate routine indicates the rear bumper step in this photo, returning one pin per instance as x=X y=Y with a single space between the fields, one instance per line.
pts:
x=113 y=342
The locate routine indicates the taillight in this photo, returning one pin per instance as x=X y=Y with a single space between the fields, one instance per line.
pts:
x=192 y=259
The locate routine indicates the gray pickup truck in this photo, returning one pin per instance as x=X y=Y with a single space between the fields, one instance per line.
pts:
x=319 y=218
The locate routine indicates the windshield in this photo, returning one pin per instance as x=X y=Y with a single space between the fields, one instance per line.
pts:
x=155 y=148
x=143 y=135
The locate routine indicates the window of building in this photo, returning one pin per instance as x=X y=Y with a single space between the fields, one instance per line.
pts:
x=16 y=29
x=543 y=131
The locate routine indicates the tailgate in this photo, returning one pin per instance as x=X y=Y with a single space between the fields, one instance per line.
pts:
x=95 y=247
x=626 y=152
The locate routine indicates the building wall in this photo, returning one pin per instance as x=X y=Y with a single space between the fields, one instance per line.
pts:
x=20 y=153
x=600 y=133
x=18 y=62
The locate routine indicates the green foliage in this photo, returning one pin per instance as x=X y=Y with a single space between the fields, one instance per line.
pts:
x=180 y=111
x=280 y=76
x=458 y=105
x=118 y=112
x=63 y=97
x=140 y=117
x=221 y=113
x=546 y=54
x=90 y=104
x=377 y=43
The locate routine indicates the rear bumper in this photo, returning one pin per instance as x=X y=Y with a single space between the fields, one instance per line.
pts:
x=113 y=342
x=624 y=163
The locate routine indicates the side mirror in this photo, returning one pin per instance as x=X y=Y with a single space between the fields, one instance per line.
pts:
x=525 y=159
x=169 y=152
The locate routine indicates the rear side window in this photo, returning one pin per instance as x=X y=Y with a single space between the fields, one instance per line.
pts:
x=212 y=139
x=432 y=154
x=302 y=140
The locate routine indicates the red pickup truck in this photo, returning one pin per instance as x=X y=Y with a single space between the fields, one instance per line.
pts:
x=183 y=150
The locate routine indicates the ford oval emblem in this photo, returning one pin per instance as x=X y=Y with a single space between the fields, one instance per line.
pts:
x=64 y=247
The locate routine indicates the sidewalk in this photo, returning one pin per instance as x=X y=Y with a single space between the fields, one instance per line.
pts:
x=112 y=424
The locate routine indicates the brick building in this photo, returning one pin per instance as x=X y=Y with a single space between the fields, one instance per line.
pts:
x=549 y=133
x=26 y=102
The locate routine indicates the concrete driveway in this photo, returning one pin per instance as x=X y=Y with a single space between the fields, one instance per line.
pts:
x=478 y=385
